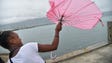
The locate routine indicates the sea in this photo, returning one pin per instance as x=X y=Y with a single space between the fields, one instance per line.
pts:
x=71 y=39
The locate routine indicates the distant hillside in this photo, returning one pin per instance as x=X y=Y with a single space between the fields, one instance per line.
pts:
x=25 y=24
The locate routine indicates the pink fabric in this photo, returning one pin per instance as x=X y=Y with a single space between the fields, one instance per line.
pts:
x=83 y=14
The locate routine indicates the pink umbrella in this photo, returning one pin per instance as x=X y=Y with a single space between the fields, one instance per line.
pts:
x=83 y=14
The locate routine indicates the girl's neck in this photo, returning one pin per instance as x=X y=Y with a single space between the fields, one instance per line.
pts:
x=13 y=48
x=13 y=51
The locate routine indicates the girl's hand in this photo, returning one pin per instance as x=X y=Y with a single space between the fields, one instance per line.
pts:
x=58 y=27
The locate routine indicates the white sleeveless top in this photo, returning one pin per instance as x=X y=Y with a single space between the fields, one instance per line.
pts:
x=28 y=53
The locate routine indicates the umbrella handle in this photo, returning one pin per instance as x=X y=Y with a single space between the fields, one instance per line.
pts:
x=61 y=18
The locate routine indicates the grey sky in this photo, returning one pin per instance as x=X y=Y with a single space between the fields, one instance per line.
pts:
x=104 y=5
x=18 y=10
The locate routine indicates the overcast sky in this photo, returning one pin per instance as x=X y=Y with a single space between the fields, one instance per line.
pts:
x=18 y=10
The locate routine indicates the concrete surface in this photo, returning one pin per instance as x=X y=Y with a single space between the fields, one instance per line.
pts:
x=101 y=55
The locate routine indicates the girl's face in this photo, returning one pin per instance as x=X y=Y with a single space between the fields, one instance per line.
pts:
x=14 y=39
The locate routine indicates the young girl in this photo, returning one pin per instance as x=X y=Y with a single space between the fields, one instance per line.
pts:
x=27 y=53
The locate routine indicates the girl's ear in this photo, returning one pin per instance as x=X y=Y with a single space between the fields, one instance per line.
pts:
x=10 y=40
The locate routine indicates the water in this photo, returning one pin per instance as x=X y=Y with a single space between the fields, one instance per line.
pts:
x=70 y=38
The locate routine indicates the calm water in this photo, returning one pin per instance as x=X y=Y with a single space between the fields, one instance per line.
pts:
x=70 y=38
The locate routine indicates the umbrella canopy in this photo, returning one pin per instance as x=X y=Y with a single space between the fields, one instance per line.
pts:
x=83 y=14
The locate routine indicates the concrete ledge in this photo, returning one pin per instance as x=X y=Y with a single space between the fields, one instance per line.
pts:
x=78 y=52
x=4 y=56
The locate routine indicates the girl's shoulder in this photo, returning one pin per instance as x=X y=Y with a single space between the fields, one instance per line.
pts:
x=32 y=46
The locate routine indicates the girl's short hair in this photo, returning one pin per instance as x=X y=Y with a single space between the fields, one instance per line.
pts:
x=4 y=39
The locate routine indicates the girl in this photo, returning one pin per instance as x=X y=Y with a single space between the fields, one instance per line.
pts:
x=27 y=53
